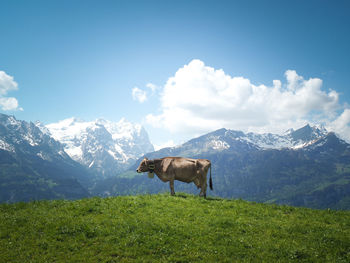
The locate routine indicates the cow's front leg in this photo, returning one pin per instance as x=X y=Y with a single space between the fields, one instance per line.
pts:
x=203 y=192
x=171 y=183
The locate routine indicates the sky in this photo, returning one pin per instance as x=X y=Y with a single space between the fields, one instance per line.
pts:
x=179 y=68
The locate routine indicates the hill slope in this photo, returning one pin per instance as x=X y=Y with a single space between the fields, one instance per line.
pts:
x=161 y=228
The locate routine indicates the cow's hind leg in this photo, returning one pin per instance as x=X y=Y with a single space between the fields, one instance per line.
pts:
x=171 y=183
x=203 y=193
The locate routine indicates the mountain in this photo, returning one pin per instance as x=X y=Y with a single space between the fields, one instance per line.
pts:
x=306 y=167
x=107 y=148
x=224 y=140
x=35 y=166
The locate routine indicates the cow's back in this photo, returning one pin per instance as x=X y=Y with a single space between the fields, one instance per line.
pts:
x=184 y=169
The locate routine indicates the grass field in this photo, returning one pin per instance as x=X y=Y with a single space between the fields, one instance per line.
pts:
x=162 y=228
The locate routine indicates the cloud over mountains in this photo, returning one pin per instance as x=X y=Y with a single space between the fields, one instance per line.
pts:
x=7 y=84
x=199 y=99
x=139 y=95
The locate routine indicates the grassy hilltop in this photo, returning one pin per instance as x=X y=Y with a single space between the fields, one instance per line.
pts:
x=162 y=228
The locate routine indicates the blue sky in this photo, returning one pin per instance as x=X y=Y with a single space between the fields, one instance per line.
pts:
x=84 y=58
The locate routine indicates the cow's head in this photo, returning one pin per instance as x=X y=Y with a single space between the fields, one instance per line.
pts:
x=143 y=167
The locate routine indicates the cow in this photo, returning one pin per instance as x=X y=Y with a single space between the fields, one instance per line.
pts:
x=169 y=169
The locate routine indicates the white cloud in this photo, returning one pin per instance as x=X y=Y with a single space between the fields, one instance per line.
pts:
x=199 y=99
x=293 y=79
x=341 y=125
x=7 y=84
x=166 y=144
x=139 y=95
x=9 y=103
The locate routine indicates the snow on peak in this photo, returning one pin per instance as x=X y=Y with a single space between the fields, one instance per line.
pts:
x=68 y=129
x=42 y=128
x=123 y=129
x=5 y=146
x=74 y=127
x=289 y=131
x=9 y=120
x=93 y=143
x=219 y=145
x=294 y=139
x=26 y=137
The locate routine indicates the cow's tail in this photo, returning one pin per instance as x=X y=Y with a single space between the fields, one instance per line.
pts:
x=210 y=180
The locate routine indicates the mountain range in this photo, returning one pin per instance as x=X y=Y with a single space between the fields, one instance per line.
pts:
x=35 y=166
x=106 y=148
x=305 y=167
x=64 y=159
x=73 y=159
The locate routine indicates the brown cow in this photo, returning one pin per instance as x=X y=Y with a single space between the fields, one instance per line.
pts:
x=185 y=170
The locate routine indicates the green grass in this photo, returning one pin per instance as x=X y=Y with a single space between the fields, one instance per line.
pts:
x=162 y=228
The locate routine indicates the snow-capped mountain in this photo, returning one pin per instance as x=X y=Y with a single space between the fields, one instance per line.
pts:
x=290 y=139
x=27 y=137
x=240 y=142
x=305 y=167
x=35 y=166
x=104 y=146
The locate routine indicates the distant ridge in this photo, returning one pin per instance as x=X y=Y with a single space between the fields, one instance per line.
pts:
x=107 y=148
x=34 y=166
x=238 y=141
